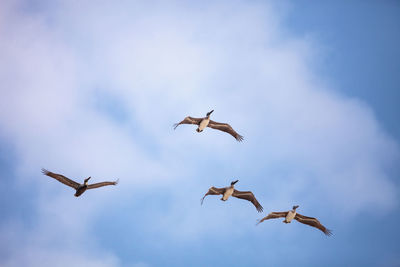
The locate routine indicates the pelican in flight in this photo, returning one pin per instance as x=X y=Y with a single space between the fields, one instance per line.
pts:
x=292 y=214
x=226 y=192
x=206 y=122
x=80 y=188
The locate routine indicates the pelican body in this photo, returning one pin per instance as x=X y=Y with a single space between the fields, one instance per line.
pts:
x=226 y=192
x=206 y=122
x=292 y=214
x=229 y=191
x=80 y=188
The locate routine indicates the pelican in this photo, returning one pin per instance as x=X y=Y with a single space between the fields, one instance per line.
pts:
x=80 y=188
x=292 y=214
x=226 y=192
x=206 y=122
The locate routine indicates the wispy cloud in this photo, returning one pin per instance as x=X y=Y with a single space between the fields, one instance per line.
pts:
x=93 y=89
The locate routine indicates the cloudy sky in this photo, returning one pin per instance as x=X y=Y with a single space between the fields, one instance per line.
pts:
x=92 y=88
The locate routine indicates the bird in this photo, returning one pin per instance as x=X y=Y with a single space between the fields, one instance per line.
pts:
x=292 y=214
x=206 y=122
x=226 y=192
x=80 y=188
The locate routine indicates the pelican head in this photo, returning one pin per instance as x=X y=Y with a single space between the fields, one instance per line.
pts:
x=209 y=113
x=87 y=180
x=295 y=207
x=234 y=182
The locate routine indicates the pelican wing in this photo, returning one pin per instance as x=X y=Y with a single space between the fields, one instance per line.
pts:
x=214 y=191
x=61 y=178
x=248 y=195
x=91 y=186
x=273 y=215
x=225 y=128
x=312 y=222
x=189 y=120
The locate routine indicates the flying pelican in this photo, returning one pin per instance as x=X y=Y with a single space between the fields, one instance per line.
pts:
x=80 y=188
x=206 y=122
x=226 y=192
x=292 y=214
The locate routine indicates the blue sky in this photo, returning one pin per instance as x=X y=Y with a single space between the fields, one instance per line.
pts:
x=93 y=88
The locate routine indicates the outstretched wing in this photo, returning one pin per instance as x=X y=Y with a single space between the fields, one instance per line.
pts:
x=61 y=178
x=273 y=215
x=312 y=222
x=189 y=120
x=248 y=195
x=91 y=186
x=225 y=128
x=213 y=191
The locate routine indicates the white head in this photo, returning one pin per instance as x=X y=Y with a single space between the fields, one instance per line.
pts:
x=87 y=180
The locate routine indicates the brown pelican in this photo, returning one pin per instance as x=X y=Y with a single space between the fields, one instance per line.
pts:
x=292 y=214
x=206 y=122
x=80 y=188
x=226 y=192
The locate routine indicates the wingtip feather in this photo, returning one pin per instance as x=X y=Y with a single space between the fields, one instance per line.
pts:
x=328 y=232
x=202 y=200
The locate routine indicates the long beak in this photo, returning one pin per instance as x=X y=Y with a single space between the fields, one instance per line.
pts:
x=234 y=182
x=87 y=179
x=209 y=113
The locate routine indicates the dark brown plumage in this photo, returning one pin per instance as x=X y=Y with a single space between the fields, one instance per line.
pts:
x=189 y=120
x=212 y=124
x=300 y=218
x=312 y=222
x=80 y=188
x=248 y=195
x=225 y=128
x=213 y=191
x=92 y=186
x=273 y=215
x=226 y=192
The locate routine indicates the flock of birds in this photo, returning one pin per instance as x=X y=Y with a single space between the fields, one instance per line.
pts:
x=226 y=192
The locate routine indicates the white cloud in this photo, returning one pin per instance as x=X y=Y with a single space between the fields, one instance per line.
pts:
x=303 y=142
x=52 y=243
